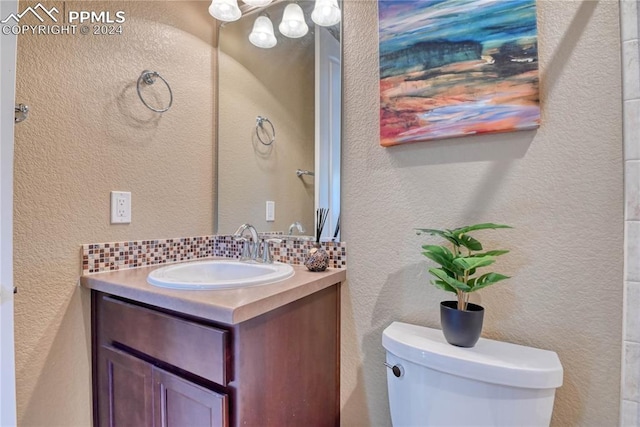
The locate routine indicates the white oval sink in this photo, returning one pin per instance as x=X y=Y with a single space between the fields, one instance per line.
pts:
x=218 y=274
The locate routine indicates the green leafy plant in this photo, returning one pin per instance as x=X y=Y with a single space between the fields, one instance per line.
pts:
x=458 y=271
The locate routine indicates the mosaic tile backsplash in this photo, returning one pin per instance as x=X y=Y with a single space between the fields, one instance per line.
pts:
x=101 y=257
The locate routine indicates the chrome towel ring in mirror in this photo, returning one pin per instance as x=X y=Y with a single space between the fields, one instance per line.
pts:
x=261 y=129
x=149 y=78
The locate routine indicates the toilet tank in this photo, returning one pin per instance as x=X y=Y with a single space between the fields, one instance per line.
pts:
x=492 y=384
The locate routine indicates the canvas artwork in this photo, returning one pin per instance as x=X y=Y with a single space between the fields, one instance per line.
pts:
x=450 y=68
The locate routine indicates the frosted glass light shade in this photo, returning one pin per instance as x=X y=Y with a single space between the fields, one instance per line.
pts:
x=225 y=10
x=262 y=33
x=326 y=13
x=257 y=3
x=293 y=24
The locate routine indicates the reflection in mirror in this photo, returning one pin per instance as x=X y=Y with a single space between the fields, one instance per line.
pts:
x=289 y=93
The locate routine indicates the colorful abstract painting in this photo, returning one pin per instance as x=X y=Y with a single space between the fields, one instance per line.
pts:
x=451 y=68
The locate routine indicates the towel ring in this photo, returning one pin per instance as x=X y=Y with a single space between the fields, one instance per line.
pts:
x=21 y=113
x=260 y=125
x=149 y=78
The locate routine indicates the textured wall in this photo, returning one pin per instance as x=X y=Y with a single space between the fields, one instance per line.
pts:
x=560 y=187
x=87 y=134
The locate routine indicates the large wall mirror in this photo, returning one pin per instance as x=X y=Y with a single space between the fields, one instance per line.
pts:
x=292 y=89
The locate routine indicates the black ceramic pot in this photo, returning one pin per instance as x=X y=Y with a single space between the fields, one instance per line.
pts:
x=461 y=327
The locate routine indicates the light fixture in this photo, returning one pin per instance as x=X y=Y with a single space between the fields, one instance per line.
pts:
x=257 y=3
x=293 y=24
x=225 y=10
x=326 y=13
x=262 y=34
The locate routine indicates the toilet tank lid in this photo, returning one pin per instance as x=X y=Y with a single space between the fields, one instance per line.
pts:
x=489 y=361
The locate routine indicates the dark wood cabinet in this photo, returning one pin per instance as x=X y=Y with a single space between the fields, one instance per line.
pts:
x=136 y=393
x=181 y=403
x=157 y=367
x=126 y=388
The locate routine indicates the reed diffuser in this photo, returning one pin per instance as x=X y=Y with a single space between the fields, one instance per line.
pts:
x=318 y=259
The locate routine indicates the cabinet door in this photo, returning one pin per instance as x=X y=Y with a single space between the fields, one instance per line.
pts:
x=180 y=403
x=125 y=390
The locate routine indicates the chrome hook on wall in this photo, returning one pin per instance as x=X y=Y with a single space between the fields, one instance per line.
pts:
x=21 y=113
x=301 y=172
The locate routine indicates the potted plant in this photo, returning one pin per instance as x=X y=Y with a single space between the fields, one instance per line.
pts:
x=459 y=273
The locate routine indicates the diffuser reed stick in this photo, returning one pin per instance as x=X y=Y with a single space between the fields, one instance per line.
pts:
x=321 y=219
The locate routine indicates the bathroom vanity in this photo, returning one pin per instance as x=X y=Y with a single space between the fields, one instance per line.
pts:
x=258 y=356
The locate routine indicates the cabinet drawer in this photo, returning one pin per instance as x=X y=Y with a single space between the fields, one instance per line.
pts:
x=199 y=349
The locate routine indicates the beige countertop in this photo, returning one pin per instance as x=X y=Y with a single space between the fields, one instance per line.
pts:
x=229 y=306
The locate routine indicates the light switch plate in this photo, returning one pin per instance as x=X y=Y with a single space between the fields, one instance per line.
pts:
x=120 y=207
x=271 y=210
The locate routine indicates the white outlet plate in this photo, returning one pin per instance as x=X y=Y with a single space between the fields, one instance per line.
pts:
x=120 y=207
x=271 y=210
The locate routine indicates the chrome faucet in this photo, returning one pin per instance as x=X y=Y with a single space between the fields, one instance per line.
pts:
x=250 y=249
x=297 y=226
x=266 y=256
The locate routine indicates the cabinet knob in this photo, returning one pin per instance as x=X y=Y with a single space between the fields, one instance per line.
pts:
x=397 y=370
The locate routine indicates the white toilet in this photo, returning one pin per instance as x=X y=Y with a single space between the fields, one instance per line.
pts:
x=433 y=383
